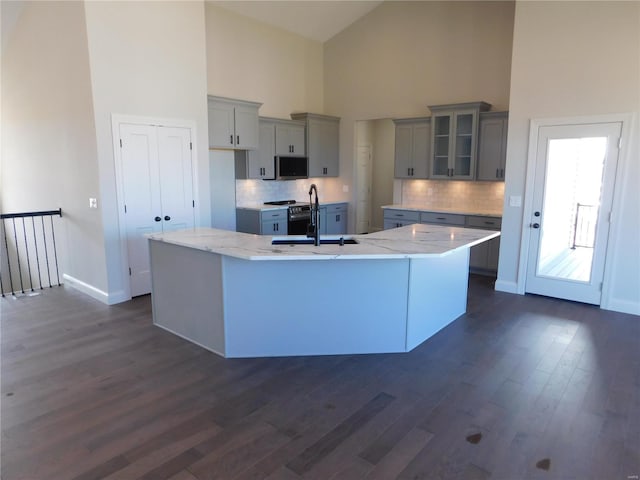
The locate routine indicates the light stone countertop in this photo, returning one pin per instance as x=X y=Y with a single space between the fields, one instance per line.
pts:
x=412 y=241
x=452 y=210
x=262 y=207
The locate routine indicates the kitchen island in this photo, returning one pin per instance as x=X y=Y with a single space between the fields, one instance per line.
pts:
x=238 y=295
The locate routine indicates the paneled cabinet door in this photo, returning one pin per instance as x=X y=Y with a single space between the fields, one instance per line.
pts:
x=233 y=124
x=323 y=143
x=412 y=148
x=290 y=140
x=492 y=146
x=336 y=220
x=246 y=127
x=260 y=163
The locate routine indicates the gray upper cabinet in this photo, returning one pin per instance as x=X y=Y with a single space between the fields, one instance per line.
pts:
x=290 y=138
x=258 y=164
x=323 y=143
x=454 y=140
x=233 y=123
x=412 y=149
x=492 y=148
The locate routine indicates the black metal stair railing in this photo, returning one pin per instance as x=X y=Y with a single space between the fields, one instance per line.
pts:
x=28 y=247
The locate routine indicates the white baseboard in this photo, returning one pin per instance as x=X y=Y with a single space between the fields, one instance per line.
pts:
x=504 y=286
x=622 y=306
x=104 y=297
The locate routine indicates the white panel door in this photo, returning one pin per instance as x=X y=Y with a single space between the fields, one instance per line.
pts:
x=157 y=185
x=175 y=177
x=573 y=191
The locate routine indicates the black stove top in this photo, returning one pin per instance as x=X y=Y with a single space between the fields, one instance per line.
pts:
x=280 y=202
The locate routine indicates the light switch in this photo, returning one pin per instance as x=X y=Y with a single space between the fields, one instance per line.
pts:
x=345 y=188
x=515 y=201
x=93 y=203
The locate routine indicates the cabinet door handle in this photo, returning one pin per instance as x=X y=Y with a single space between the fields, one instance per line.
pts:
x=337 y=218
x=497 y=173
x=231 y=139
x=237 y=139
x=502 y=173
x=167 y=218
x=441 y=218
x=489 y=223
x=157 y=219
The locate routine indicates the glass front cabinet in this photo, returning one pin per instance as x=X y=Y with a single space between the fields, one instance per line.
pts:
x=454 y=140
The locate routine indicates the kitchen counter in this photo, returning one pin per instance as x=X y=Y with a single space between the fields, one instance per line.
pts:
x=262 y=207
x=414 y=241
x=460 y=211
x=239 y=296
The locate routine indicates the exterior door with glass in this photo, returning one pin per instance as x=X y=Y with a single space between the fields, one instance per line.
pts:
x=573 y=190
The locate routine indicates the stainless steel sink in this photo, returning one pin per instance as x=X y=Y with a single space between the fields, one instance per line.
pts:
x=324 y=240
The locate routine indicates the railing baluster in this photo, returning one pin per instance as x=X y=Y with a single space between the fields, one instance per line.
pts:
x=15 y=238
x=46 y=253
x=6 y=246
x=26 y=248
x=35 y=242
x=55 y=250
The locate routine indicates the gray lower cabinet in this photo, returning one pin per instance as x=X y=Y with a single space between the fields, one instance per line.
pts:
x=399 y=218
x=492 y=146
x=483 y=257
x=412 y=148
x=323 y=143
x=262 y=222
x=336 y=221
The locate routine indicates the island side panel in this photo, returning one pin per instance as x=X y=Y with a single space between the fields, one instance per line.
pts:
x=437 y=294
x=306 y=307
x=186 y=295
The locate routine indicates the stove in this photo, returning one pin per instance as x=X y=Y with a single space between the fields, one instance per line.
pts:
x=281 y=202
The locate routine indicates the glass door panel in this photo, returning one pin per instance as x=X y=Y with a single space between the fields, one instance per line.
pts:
x=571 y=204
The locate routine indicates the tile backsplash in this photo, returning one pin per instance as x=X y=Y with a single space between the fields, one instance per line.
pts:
x=251 y=192
x=453 y=194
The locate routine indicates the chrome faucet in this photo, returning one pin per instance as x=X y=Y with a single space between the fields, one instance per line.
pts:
x=313 y=230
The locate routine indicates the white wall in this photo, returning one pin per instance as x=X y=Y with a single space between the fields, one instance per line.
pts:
x=404 y=56
x=250 y=60
x=147 y=59
x=575 y=59
x=49 y=152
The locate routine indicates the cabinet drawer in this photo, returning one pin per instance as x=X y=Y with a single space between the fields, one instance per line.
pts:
x=268 y=215
x=488 y=223
x=441 y=218
x=406 y=215
x=337 y=208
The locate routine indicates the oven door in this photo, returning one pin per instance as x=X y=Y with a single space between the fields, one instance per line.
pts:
x=298 y=220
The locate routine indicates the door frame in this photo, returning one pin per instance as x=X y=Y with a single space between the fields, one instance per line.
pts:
x=626 y=119
x=116 y=120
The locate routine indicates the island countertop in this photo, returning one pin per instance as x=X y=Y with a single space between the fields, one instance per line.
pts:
x=412 y=241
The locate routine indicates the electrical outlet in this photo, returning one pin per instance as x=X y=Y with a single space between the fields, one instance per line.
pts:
x=93 y=203
x=345 y=188
x=515 y=201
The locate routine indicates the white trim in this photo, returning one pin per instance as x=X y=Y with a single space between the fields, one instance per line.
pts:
x=116 y=121
x=627 y=120
x=623 y=306
x=504 y=286
x=100 y=295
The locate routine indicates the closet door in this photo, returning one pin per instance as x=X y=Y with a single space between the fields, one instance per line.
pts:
x=157 y=185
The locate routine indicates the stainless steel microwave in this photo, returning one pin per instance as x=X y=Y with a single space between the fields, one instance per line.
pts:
x=290 y=168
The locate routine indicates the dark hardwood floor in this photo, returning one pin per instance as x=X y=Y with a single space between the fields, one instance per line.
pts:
x=519 y=387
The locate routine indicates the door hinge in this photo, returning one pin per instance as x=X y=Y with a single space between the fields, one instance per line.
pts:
x=193 y=203
x=120 y=143
x=190 y=146
x=129 y=271
x=620 y=143
x=600 y=286
x=125 y=209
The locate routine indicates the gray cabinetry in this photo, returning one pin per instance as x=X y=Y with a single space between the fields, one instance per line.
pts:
x=484 y=257
x=492 y=146
x=290 y=138
x=323 y=143
x=262 y=222
x=412 y=148
x=258 y=164
x=399 y=218
x=442 y=218
x=336 y=219
x=233 y=123
x=454 y=140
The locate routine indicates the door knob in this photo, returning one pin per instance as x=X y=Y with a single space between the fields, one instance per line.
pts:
x=535 y=225
x=157 y=219
x=167 y=218
x=536 y=214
